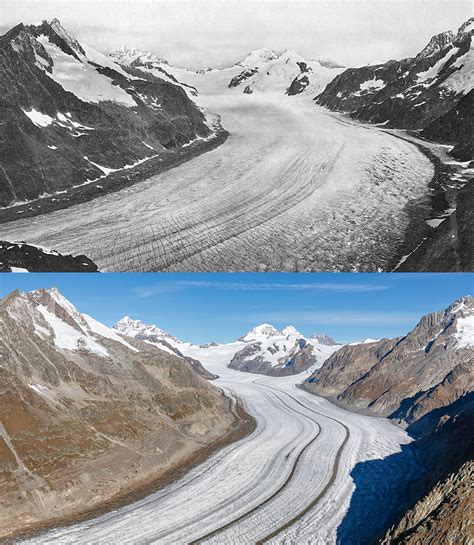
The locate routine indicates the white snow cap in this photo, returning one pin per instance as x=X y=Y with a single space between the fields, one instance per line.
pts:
x=132 y=328
x=258 y=57
x=260 y=332
x=290 y=330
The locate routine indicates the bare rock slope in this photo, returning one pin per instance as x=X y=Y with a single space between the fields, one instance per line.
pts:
x=404 y=378
x=85 y=416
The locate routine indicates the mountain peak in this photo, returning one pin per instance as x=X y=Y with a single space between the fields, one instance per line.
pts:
x=259 y=56
x=290 y=330
x=262 y=331
x=437 y=43
x=468 y=26
x=136 y=57
x=321 y=338
x=134 y=328
x=54 y=30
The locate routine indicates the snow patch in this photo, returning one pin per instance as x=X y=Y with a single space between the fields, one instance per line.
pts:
x=465 y=333
x=39 y=119
x=68 y=338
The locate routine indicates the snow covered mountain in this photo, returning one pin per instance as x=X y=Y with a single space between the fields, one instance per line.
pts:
x=132 y=59
x=407 y=377
x=263 y=349
x=432 y=92
x=87 y=414
x=277 y=353
x=71 y=115
x=266 y=70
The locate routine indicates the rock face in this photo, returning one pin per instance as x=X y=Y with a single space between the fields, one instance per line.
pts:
x=442 y=516
x=455 y=126
x=19 y=256
x=266 y=70
x=279 y=353
x=449 y=247
x=405 y=378
x=442 y=510
x=85 y=415
x=429 y=92
x=71 y=115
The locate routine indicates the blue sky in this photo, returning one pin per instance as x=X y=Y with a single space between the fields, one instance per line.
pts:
x=221 y=307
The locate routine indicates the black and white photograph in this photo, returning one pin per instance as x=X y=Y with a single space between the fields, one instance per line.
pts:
x=229 y=136
x=247 y=229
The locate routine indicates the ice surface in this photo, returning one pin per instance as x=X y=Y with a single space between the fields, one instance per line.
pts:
x=293 y=188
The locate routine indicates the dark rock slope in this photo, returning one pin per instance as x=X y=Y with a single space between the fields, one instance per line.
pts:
x=86 y=416
x=70 y=115
x=429 y=92
x=19 y=255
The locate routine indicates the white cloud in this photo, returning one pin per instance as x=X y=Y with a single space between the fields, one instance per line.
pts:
x=341 y=287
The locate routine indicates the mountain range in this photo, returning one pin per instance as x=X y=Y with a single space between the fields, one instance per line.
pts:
x=263 y=349
x=72 y=116
x=265 y=70
x=91 y=412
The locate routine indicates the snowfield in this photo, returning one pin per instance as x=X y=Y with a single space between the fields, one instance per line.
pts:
x=288 y=482
x=292 y=189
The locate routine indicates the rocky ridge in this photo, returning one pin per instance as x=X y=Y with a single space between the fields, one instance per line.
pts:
x=22 y=257
x=430 y=93
x=378 y=377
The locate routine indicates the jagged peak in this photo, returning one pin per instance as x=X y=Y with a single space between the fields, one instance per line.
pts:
x=437 y=43
x=133 y=56
x=467 y=26
x=60 y=36
x=131 y=327
x=463 y=304
x=322 y=338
